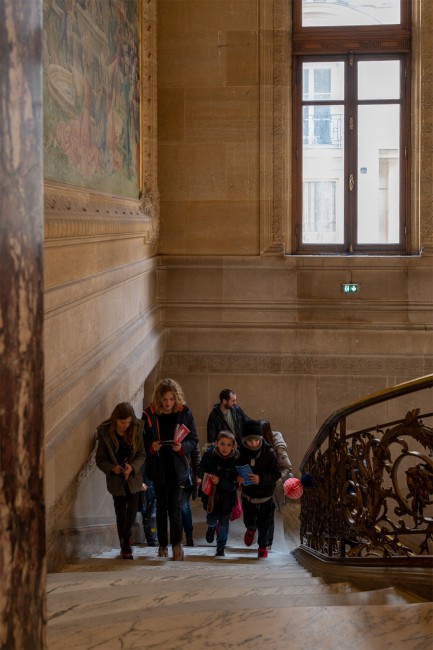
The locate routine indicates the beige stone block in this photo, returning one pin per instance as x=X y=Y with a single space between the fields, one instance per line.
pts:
x=170 y=17
x=220 y=15
x=374 y=285
x=243 y=168
x=242 y=58
x=193 y=172
x=191 y=60
x=221 y=115
x=259 y=285
x=341 y=390
x=64 y=263
x=208 y=172
x=192 y=285
x=420 y=284
x=171 y=115
x=201 y=228
x=67 y=262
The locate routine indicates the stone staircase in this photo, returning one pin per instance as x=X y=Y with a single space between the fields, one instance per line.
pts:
x=238 y=601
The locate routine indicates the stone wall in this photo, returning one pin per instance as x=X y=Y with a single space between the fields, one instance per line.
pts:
x=103 y=333
x=239 y=310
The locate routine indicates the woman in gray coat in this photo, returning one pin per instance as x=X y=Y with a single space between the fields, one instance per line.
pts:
x=120 y=455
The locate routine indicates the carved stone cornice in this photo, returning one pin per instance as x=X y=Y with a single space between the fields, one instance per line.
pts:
x=72 y=212
x=295 y=364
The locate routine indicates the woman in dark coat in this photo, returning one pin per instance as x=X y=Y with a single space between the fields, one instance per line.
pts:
x=170 y=437
x=120 y=455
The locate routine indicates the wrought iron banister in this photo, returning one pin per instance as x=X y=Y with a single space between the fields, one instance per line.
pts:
x=372 y=489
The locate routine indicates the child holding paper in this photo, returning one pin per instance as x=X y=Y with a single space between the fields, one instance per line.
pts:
x=218 y=472
x=258 y=486
x=169 y=438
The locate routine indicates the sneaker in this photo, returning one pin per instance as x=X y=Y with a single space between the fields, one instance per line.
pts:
x=220 y=552
x=249 y=537
x=210 y=535
x=263 y=552
x=162 y=551
x=189 y=541
x=269 y=547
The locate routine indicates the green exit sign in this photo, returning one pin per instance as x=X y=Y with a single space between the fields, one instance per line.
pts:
x=350 y=287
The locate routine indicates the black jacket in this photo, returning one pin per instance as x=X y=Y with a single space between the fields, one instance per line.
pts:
x=225 y=469
x=264 y=463
x=154 y=466
x=216 y=422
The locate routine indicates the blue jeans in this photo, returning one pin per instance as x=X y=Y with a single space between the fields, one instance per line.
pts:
x=147 y=508
x=185 y=511
x=223 y=522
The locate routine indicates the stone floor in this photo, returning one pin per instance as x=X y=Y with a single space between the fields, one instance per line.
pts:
x=235 y=602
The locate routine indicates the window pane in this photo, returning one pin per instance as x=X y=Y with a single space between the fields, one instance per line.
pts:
x=322 y=81
x=378 y=174
x=327 y=13
x=323 y=175
x=379 y=80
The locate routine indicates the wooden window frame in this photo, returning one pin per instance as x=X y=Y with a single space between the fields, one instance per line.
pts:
x=330 y=44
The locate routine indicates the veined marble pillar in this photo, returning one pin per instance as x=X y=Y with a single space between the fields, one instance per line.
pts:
x=22 y=520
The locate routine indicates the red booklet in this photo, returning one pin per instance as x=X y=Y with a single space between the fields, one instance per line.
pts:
x=180 y=433
x=206 y=484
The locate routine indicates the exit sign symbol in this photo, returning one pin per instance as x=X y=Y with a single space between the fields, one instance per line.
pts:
x=350 y=287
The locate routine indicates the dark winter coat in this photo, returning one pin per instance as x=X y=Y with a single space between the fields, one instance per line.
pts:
x=106 y=460
x=225 y=490
x=264 y=463
x=216 y=422
x=154 y=466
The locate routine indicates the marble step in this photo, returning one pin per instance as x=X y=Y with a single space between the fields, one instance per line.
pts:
x=89 y=602
x=173 y=579
x=274 y=628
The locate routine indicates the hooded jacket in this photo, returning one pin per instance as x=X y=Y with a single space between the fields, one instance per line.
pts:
x=106 y=460
x=263 y=461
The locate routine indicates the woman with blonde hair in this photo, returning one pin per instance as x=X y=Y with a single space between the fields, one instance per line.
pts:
x=120 y=455
x=169 y=438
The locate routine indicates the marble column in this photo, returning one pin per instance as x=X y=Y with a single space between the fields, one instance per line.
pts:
x=22 y=516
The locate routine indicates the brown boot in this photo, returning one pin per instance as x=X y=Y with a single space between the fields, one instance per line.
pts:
x=177 y=552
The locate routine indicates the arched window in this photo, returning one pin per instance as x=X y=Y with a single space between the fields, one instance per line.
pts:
x=351 y=126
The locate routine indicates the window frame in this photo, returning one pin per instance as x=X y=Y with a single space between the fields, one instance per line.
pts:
x=357 y=43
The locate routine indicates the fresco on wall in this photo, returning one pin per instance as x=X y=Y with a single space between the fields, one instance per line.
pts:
x=91 y=94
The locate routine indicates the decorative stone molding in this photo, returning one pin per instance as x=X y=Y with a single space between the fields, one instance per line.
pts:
x=274 y=137
x=426 y=126
x=295 y=364
x=72 y=212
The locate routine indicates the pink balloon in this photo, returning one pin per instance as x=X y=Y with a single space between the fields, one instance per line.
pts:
x=293 y=488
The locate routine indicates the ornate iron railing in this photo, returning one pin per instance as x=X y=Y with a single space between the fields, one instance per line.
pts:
x=372 y=489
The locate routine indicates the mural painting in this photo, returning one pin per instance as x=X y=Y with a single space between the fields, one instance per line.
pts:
x=91 y=94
